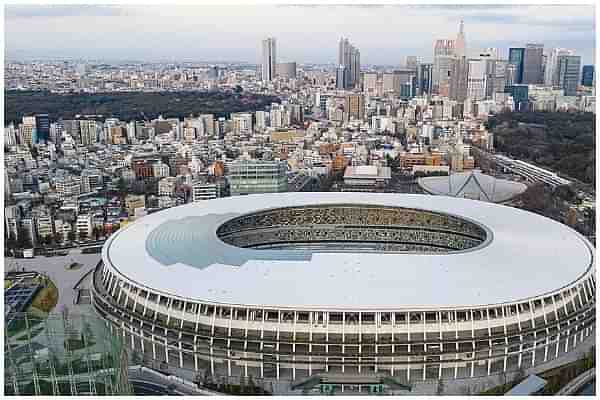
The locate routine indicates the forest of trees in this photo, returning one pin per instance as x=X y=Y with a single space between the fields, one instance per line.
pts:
x=562 y=141
x=131 y=105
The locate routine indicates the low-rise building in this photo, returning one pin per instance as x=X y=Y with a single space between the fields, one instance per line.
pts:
x=366 y=178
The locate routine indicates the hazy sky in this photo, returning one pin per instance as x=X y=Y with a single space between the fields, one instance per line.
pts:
x=384 y=34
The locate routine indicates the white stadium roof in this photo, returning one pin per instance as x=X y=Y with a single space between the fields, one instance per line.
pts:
x=473 y=184
x=177 y=252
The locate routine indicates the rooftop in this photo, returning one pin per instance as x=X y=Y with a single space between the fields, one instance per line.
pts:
x=177 y=251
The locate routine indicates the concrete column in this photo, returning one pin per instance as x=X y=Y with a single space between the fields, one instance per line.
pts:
x=393 y=321
x=547 y=330
x=246 y=342
x=408 y=335
x=229 y=341
x=294 y=346
x=558 y=334
x=531 y=311
x=424 y=345
x=456 y=344
x=505 y=361
x=277 y=345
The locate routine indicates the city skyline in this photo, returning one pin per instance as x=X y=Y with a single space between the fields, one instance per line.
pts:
x=225 y=33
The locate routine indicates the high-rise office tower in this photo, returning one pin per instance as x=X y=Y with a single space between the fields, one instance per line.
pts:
x=425 y=78
x=349 y=58
x=340 y=77
x=411 y=63
x=587 y=75
x=520 y=95
x=269 y=59
x=533 y=64
x=42 y=124
x=461 y=41
x=491 y=52
x=551 y=70
x=458 y=79
x=477 y=78
x=568 y=74
x=444 y=54
x=498 y=76
x=516 y=56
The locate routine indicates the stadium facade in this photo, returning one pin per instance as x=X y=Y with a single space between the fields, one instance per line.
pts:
x=288 y=286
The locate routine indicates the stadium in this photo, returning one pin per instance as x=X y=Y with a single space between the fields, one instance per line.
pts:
x=295 y=285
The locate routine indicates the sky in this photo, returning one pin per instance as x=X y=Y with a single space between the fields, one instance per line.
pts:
x=385 y=34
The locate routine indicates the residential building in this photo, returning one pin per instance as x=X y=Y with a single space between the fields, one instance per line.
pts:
x=207 y=191
x=167 y=186
x=349 y=58
x=354 y=106
x=286 y=70
x=69 y=186
x=84 y=226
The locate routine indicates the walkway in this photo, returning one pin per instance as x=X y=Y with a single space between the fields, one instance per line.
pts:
x=576 y=384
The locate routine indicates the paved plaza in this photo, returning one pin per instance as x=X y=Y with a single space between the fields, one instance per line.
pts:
x=56 y=269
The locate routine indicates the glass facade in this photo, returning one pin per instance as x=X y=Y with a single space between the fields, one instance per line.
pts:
x=587 y=75
x=63 y=354
x=515 y=57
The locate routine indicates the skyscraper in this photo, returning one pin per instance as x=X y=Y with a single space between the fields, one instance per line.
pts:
x=340 y=77
x=444 y=54
x=587 y=75
x=533 y=64
x=425 y=81
x=568 y=74
x=458 y=79
x=551 y=70
x=411 y=63
x=516 y=56
x=42 y=124
x=349 y=58
x=269 y=59
x=461 y=41
x=477 y=78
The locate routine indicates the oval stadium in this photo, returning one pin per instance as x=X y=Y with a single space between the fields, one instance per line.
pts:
x=285 y=287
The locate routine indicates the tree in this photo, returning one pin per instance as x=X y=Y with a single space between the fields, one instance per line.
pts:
x=535 y=198
x=71 y=236
x=565 y=192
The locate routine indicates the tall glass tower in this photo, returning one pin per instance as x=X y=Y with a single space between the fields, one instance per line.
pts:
x=269 y=59
x=516 y=55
